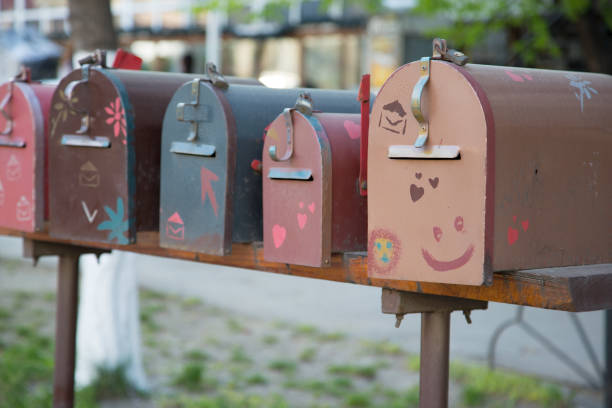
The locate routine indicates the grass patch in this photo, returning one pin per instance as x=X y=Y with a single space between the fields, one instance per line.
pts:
x=367 y=371
x=227 y=398
x=193 y=377
x=256 y=379
x=330 y=337
x=305 y=330
x=483 y=383
x=111 y=383
x=190 y=303
x=196 y=356
x=4 y=314
x=358 y=399
x=236 y=327
x=147 y=317
x=269 y=339
x=239 y=356
x=337 y=387
x=413 y=363
x=151 y=295
x=308 y=355
x=283 y=366
x=382 y=348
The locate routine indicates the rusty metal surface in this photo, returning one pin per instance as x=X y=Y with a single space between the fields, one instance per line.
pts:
x=307 y=219
x=223 y=203
x=107 y=194
x=531 y=187
x=23 y=184
x=400 y=302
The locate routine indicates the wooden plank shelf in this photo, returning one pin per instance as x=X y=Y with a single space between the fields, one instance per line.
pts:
x=574 y=289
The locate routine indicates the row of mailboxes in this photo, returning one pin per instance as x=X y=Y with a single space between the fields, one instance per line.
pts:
x=472 y=169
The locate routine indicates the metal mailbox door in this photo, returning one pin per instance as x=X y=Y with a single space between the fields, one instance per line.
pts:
x=222 y=202
x=105 y=129
x=312 y=205
x=24 y=107
x=479 y=169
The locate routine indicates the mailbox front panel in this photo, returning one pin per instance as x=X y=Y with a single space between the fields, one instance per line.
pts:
x=297 y=194
x=22 y=154
x=252 y=109
x=312 y=205
x=426 y=216
x=204 y=166
x=89 y=187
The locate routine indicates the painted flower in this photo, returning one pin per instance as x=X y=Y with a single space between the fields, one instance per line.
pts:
x=63 y=109
x=116 y=223
x=116 y=118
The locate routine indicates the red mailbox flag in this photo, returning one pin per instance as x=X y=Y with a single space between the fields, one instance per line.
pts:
x=127 y=60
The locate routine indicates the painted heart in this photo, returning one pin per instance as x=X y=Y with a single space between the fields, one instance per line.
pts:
x=353 y=129
x=302 y=220
x=512 y=235
x=278 y=234
x=416 y=192
x=418 y=175
x=311 y=207
x=514 y=77
x=434 y=182
x=525 y=225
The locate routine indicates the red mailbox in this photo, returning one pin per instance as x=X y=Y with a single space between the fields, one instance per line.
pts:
x=474 y=169
x=311 y=200
x=24 y=107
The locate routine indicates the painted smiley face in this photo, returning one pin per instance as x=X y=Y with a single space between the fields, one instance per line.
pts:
x=456 y=263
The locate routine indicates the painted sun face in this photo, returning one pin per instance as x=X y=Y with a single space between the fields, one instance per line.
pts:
x=453 y=264
x=384 y=250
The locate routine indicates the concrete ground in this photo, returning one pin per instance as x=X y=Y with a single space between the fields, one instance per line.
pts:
x=355 y=310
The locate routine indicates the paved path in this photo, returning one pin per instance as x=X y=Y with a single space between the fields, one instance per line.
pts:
x=355 y=310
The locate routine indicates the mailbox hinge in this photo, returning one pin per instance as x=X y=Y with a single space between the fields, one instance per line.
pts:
x=440 y=52
x=24 y=75
x=302 y=105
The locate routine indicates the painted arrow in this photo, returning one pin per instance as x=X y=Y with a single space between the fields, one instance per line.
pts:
x=207 y=177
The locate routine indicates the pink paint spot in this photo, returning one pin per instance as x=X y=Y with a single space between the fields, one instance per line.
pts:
x=525 y=225
x=437 y=231
x=459 y=223
x=353 y=129
x=528 y=77
x=514 y=218
x=302 y=220
x=311 y=207
x=514 y=77
x=512 y=235
x=301 y=204
x=279 y=234
x=443 y=266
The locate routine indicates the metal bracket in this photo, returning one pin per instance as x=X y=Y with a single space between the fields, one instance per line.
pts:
x=440 y=51
x=215 y=77
x=69 y=90
x=7 y=117
x=302 y=105
x=189 y=112
x=36 y=249
x=400 y=303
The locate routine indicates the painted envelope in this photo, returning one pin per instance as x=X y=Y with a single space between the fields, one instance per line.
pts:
x=175 y=227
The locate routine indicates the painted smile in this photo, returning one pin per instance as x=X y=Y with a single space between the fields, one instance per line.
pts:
x=442 y=266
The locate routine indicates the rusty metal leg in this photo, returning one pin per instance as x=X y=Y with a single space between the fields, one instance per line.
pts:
x=65 y=330
x=435 y=338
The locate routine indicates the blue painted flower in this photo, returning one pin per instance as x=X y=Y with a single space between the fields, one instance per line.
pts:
x=116 y=224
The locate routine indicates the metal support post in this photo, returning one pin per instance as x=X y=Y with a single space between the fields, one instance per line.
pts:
x=66 y=313
x=435 y=337
x=608 y=369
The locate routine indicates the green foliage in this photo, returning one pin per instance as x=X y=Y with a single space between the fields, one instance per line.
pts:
x=226 y=399
x=284 y=366
x=358 y=399
x=110 y=383
x=239 y=356
x=256 y=379
x=381 y=348
x=530 y=21
x=308 y=355
x=365 y=371
x=482 y=382
x=196 y=356
x=193 y=377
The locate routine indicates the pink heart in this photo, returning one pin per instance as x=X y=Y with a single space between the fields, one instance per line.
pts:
x=512 y=235
x=302 y=220
x=279 y=234
x=525 y=225
x=301 y=204
x=311 y=207
x=353 y=129
x=514 y=77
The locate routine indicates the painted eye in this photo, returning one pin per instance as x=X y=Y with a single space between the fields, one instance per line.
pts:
x=378 y=245
x=437 y=231
x=459 y=223
x=389 y=245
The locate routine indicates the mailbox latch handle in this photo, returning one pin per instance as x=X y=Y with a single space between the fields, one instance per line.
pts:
x=303 y=105
x=441 y=52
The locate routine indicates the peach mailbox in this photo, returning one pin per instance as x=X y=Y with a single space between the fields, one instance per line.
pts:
x=24 y=107
x=475 y=169
x=312 y=205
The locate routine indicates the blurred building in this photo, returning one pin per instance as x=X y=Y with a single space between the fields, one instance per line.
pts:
x=299 y=45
